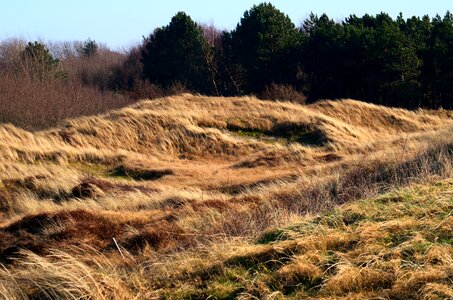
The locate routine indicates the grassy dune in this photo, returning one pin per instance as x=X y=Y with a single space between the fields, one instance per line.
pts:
x=395 y=246
x=192 y=196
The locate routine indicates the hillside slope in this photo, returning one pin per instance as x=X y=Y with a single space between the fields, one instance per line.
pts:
x=181 y=177
x=187 y=132
x=395 y=246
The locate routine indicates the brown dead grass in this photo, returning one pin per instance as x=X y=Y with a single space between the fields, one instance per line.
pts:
x=180 y=188
x=395 y=250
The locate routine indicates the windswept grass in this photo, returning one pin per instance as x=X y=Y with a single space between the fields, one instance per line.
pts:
x=394 y=246
x=190 y=197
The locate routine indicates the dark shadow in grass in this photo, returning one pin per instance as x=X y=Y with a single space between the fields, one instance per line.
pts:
x=139 y=173
x=292 y=133
x=272 y=236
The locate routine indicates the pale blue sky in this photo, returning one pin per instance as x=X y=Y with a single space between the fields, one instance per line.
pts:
x=122 y=23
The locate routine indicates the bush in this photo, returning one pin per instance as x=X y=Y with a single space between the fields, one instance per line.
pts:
x=95 y=70
x=280 y=92
x=89 y=48
x=143 y=89
x=35 y=105
x=38 y=63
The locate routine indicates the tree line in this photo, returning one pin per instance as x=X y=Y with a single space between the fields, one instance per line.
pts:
x=395 y=62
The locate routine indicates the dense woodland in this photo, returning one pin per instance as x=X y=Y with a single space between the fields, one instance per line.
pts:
x=407 y=63
x=404 y=62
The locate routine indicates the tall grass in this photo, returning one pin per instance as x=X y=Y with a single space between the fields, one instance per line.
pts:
x=328 y=255
x=184 y=188
x=61 y=275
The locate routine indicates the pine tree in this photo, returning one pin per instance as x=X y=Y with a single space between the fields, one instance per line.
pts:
x=89 y=48
x=177 y=54
x=264 y=45
x=38 y=62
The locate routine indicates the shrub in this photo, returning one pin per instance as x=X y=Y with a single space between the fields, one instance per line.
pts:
x=143 y=89
x=283 y=92
x=95 y=70
x=89 y=48
x=38 y=62
x=35 y=105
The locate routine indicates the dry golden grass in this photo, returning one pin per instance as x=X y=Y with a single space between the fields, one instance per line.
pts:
x=169 y=198
x=394 y=246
